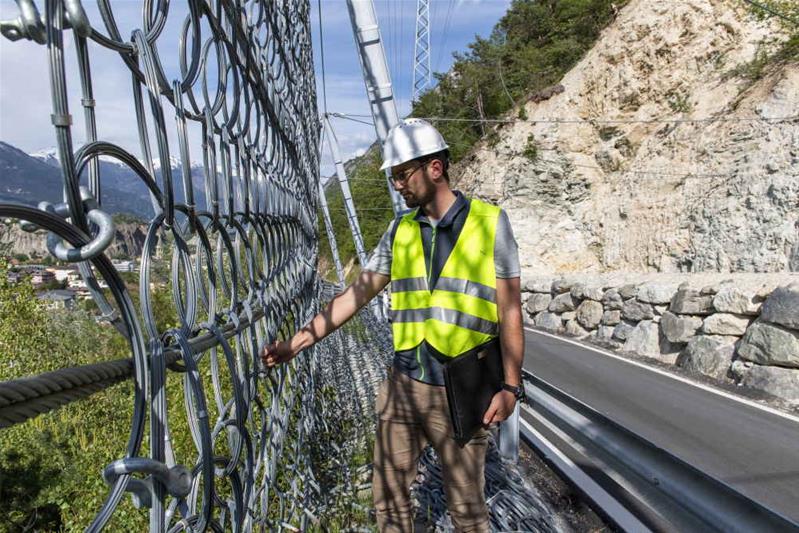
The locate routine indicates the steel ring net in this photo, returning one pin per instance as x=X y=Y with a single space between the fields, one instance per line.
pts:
x=241 y=251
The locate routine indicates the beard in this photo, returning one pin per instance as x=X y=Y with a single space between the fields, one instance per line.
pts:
x=411 y=201
x=420 y=198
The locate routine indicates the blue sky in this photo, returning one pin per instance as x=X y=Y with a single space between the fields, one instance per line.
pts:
x=25 y=99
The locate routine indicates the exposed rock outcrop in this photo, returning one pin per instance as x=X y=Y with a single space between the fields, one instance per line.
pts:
x=611 y=191
x=127 y=244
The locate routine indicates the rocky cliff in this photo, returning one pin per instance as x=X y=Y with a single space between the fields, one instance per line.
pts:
x=664 y=152
x=127 y=244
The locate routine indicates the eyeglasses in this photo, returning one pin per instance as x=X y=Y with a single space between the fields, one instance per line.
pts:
x=404 y=175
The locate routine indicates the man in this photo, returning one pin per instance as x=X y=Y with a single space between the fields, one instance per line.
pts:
x=454 y=269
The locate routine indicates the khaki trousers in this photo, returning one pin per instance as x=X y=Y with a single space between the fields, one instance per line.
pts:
x=410 y=415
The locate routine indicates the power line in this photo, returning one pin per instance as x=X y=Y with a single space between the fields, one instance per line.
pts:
x=322 y=54
x=345 y=117
x=721 y=118
x=767 y=9
x=591 y=167
x=613 y=121
x=447 y=21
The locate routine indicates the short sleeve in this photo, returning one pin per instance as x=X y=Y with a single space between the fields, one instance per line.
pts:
x=380 y=260
x=506 y=251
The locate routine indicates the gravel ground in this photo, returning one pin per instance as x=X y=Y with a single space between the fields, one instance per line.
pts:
x=559 y=495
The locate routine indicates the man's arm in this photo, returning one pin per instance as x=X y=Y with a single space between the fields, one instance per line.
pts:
x=338 y=311
x=511 y=339
x=511 y=332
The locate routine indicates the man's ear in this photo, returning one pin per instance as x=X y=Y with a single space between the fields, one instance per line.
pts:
x=436 y=169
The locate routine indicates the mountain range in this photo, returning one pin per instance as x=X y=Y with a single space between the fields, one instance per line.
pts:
x=31 y=178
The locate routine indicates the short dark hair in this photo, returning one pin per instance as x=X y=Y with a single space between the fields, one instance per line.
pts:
x=443 y=156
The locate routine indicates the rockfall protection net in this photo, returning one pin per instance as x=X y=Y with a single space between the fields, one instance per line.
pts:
x=271 y=449
x=243 y=270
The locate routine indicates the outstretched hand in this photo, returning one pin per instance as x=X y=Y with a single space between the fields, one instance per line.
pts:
x=501 y=407
x=277 y=353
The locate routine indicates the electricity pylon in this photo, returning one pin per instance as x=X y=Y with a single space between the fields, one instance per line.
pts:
x=421 y=50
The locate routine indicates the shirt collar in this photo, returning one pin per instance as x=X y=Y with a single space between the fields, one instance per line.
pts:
x=449 y=217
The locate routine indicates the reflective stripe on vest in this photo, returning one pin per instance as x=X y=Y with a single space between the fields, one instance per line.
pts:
x=461 y=312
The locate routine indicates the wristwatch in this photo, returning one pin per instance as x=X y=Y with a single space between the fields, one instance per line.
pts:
x=518 y=392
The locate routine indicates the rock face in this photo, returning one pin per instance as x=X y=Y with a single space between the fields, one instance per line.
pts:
x=636 y=311
x=573 y=329
x=710 y=355
x=604 y=333
x=612 y=300
x=611 y=318
x=633 y=196
x=679 y=328
x=769 y=344
x=643 y=339
x=538 y=302
x=549 y=321
x=725 y=324
x=583 y=291
x=589 y=314
x=562 y=303
x=780 y=382
x=128 y=241
x=538 y=284
x=622 y=331
x=689 y=301
x=656 y=293
x=782 y=307
x=731 y=299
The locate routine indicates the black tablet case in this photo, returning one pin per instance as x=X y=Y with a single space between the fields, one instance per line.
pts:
x=472 y=379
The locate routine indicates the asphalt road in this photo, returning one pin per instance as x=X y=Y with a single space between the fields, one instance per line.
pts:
x=751 y=449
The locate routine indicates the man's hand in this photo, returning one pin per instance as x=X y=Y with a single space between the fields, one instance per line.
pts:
x=277 y=353
x=502 y=405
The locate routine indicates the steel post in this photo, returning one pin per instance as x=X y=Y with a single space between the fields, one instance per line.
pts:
x=376 y=76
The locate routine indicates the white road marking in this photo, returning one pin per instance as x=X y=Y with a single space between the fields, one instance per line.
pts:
x=687 y=381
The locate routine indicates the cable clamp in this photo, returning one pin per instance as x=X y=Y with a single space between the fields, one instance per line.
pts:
x=61 y=120
x=96 y=246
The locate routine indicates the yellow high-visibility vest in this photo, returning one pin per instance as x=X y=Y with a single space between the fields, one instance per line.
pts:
x=460 y=313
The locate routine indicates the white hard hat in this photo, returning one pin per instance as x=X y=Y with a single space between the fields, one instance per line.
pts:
x=409 y=139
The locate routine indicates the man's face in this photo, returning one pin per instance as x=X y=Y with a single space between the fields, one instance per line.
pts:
x=413 y=182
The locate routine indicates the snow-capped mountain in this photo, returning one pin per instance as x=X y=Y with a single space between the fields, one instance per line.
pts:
x=31 y=178
x=50 y=157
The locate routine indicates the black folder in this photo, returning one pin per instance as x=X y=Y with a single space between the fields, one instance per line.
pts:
x=472 y=379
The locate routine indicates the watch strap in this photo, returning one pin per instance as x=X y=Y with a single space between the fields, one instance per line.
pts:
x=518 y=392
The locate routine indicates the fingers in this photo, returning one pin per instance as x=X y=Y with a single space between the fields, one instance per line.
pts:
x=270 y=355
x=488 y=417
x=498 y=411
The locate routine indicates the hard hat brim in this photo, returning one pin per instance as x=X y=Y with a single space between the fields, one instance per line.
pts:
x=398 y=161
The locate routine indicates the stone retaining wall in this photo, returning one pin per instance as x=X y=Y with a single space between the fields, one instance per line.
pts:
x=741 y=328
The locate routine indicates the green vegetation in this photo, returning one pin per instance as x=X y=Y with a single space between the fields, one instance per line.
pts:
x=127 y=218
x=679 y=102
x=529 y=49
x=50 y=466
x=372 y=203
x=531 y=149
x=771 y=51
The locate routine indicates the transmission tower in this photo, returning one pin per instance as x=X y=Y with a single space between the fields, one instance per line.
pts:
x=421 y=49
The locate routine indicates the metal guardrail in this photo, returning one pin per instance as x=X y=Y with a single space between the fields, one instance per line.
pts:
x=630 y=481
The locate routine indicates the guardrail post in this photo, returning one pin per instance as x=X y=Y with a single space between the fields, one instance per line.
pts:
x=509 y=436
